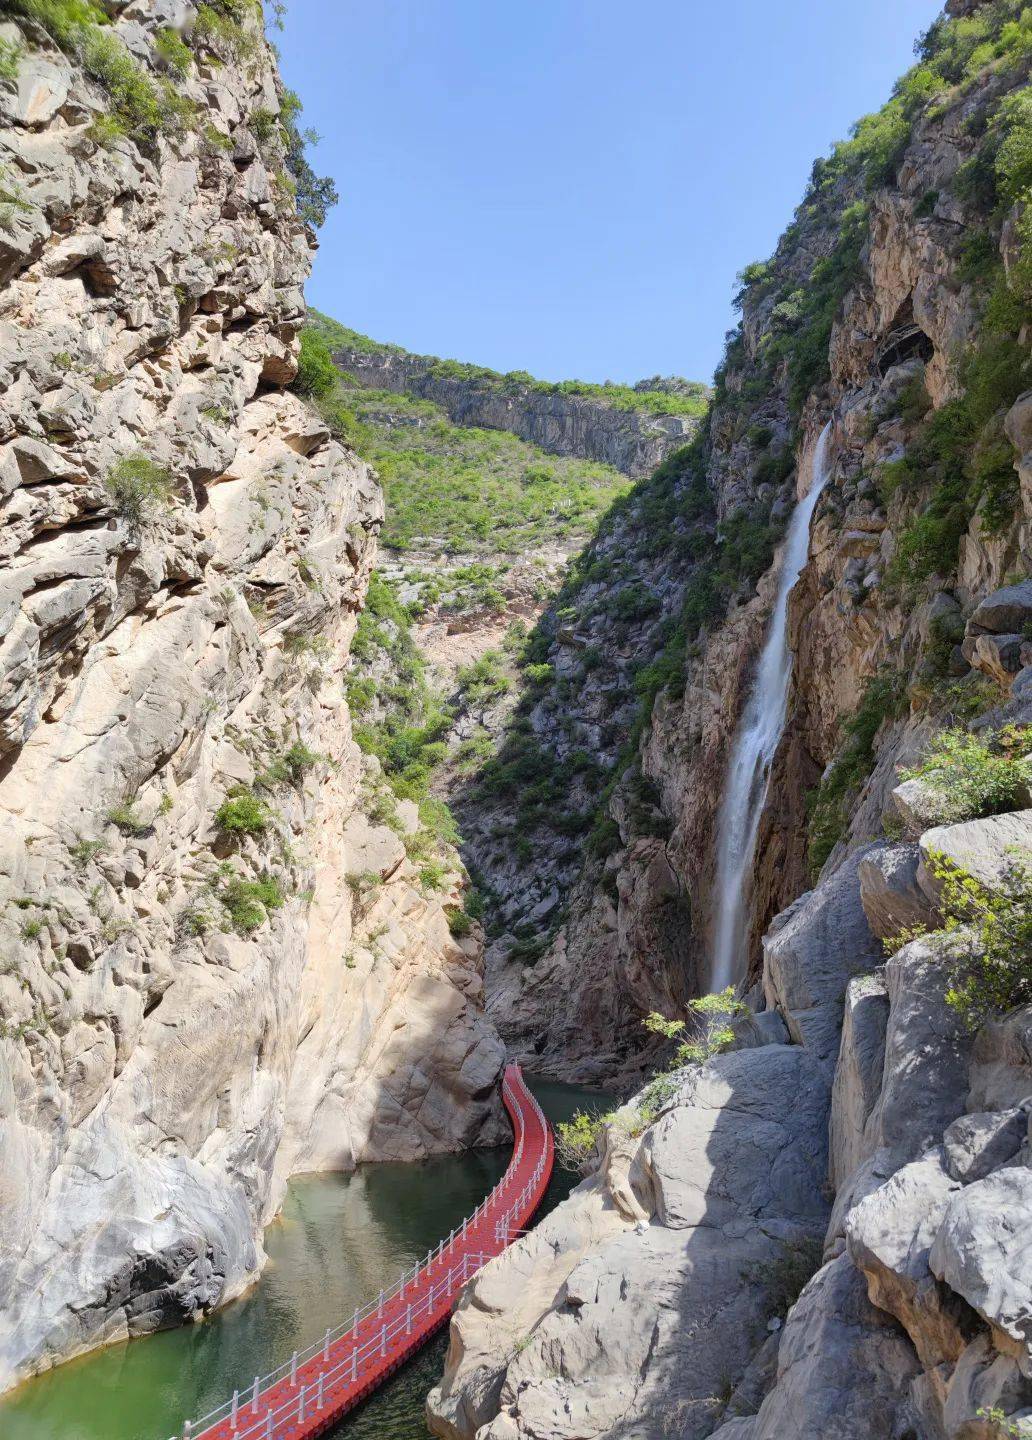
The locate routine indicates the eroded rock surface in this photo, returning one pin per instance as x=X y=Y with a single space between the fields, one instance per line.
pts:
x=191 y=1007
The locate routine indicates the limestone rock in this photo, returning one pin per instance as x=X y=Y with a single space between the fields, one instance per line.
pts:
x=983 y=1251
x=810 y=954
x=977 y=1144
x=844 y=1368
x=984 y=849
x=587 y=1324
x=889 y=892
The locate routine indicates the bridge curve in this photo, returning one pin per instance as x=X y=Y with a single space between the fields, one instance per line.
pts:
x=317 y=1386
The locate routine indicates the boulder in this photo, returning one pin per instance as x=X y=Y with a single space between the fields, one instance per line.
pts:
x=977 y=1144
x=811 y=952
x=1004 y=612
x=844 y=1367
x=984 y=849
x=889 y=892
x=1001 y=1062
x=889 y=1235
x=983 y=1251
x=918 y=804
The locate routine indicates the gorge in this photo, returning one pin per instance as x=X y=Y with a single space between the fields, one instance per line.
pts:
x=367 y=718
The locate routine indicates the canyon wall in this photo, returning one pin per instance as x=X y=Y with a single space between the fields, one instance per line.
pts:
x=873 y=312
x=821 y=1230
x=632 y=440
x=217 y=969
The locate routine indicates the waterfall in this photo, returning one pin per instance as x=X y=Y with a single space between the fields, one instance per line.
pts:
x=756 y=740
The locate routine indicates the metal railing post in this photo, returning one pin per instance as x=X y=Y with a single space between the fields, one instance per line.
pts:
x=293 y=1369
x=408 y=1320
x=319 y=1395
x=354 y=1365
x=236 y=1401
x=326 y=1345
x=187 y=1430
x=254 y=1397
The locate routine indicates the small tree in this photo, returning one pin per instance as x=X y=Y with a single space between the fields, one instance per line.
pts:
x=711 y=1029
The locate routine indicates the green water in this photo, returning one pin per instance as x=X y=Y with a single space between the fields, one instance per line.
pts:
x=338 y=1240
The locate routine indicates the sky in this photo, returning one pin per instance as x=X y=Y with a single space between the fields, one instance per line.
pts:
x=569 y=187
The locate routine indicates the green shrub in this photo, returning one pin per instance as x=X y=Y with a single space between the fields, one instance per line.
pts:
x=977 y=774
x=137 y=486
x=459 y=922
x=173 y=52
x=248 y=903
x=127 y=820
x=84 y=851
x=316 y=376
x=576 y=1139
x=987 y=939
x=242 y=813
x=10 y=57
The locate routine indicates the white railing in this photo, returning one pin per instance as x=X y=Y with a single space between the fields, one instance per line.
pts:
x=242 y=1408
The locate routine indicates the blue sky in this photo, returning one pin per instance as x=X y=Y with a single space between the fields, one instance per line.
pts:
x=570 y=186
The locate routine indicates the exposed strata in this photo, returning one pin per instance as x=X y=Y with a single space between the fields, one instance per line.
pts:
x=633 y=441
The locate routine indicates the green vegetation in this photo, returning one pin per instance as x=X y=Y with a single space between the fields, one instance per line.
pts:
x=482 y=490
x=141 y=107
x=576 y=1139
x=986 y=939
x=689 y=398
x=710 y=1033
x=242 y=813
x=484 y=680
x=977 y=774
x=126 y=819
x=408 y=736
x=10 y=55
x=84 y=851
x=951 y=56
x=830 y=804
x=248 y=903
x=291 y=766
x=316 y=376
x=173 y=52
x=137 y=486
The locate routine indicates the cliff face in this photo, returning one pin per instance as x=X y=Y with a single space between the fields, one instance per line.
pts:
x=882 y=309
x=217 y=969
x=818 y=1232
x=632 y=440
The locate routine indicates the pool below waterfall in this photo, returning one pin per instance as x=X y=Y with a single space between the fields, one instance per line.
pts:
x=338 y=1239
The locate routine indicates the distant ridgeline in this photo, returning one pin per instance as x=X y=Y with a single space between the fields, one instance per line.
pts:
x=632 y=428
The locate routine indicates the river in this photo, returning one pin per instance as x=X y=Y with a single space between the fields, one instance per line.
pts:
x=338 y=1239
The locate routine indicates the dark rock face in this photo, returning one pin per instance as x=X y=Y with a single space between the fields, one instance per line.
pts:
x=630 y=440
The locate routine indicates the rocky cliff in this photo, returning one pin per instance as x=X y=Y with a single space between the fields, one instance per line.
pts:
x=217 y=967
x=885 y=307
x=630 y=428
x=820 y=1230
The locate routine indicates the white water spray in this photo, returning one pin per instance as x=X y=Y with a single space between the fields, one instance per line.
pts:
x=759 y=732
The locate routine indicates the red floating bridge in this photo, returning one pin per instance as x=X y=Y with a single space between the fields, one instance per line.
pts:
x=317 y=1386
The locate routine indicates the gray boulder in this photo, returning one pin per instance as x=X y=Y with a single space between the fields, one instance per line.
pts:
x=983 y=1251
x=889 y=892
x=812 y=951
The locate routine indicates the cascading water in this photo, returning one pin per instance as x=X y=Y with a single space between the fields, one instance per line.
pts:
x=755 y=743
